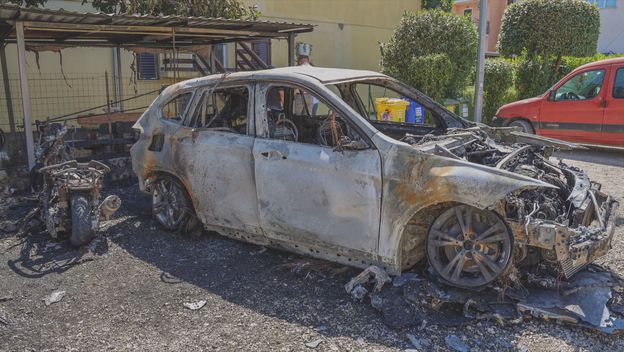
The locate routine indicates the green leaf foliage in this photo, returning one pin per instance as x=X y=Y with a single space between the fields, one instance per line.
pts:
x=444 y=5
x=430 y=73
x=207 y=8
x=428 y=33
x=25 y=3
x=499 y=74
x=550 y=28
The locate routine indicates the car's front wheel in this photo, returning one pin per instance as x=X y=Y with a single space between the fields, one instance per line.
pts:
x=469 y=247
x=523 y=124
x=171 y=206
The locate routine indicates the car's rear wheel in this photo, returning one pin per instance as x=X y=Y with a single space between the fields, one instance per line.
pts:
x=523 y=124
x=171 y=206
x=468 y=247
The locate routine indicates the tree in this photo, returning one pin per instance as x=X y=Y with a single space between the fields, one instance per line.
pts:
x=449 y=43
x=550 y=29
x=25 y=3
x=444 y=5
x=205 y=8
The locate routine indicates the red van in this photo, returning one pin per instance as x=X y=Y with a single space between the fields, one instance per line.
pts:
x=586 y=106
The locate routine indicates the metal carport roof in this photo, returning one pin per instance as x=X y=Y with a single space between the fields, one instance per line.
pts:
x=67 y=28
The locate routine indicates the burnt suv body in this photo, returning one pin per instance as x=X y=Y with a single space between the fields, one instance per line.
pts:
x=294 y=158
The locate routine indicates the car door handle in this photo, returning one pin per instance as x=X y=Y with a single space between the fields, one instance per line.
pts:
x=273 y=155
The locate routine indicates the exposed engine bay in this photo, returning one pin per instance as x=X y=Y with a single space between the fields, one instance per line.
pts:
x=565 y=226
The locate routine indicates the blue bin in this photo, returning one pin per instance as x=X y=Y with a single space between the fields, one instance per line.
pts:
x=415 y=113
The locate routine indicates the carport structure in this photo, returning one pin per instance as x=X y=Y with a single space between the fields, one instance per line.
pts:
x=41 y=29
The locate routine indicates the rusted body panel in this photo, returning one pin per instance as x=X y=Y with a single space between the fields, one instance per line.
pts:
x=358 y=207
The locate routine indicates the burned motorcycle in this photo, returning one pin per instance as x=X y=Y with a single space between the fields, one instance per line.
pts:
x=70 y=199
x=68 y=191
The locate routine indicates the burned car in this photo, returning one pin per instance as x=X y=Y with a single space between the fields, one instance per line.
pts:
x=302 y=159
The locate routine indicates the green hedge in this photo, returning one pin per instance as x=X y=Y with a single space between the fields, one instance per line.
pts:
x=427 y=35
x=431 y=74
x=550 y=28
x=499 y=74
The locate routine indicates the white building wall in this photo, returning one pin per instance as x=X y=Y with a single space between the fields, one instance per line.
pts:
x=612 y=29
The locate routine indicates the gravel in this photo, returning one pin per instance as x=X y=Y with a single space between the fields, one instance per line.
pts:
x=129 y=293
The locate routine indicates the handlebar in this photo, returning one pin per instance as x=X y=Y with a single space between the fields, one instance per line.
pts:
x=92 y=165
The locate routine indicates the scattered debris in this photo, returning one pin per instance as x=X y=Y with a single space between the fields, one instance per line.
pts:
x=137 y=224
x=321 y=328
x=260 y=251
x=109 y=206
x=359 y=292
x=313 y=344
x=456 y=344
x=379 y=276
x=420 y=344
x=4 y=321
x=593 y=298
x=402 y=279
x=195 y=305
x=54 y=297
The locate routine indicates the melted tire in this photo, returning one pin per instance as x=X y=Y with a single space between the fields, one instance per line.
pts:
x=81 y=213
x=186 y=222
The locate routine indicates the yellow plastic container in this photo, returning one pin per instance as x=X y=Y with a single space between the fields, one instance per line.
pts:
x=391 y=109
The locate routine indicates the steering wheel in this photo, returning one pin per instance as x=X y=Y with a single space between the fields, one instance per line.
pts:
x=330 y=131
x=573 y=96
x=289 y=128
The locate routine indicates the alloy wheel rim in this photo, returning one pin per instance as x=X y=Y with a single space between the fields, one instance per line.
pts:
x=469 y=247
x=166 y=203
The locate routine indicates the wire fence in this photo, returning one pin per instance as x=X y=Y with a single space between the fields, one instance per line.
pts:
x=64 y=98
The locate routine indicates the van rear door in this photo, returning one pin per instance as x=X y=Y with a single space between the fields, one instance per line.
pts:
x=575 y=108
x=613 y=126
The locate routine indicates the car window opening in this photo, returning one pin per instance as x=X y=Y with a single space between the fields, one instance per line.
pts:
x=176 y=107
x=297 y=115
x=395 y=113
x=223 y=109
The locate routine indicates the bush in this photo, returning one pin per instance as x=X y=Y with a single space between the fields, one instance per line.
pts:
x=569 y=63
x=499 y=75
x=428 y=33
x=532 y=76
x=430 y=73
x=550 y=28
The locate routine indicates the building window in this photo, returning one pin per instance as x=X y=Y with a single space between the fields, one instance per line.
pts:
x=147 y=66
x=604 y=4
x=468 y=12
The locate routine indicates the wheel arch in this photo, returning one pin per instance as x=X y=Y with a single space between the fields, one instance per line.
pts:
x=413 y=234
x=509 y=121
x=152 y=175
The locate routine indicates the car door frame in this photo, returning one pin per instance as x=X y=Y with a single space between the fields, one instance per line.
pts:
x=216 y=194
x=315 y=244
x=574 y=130
x=613 y=131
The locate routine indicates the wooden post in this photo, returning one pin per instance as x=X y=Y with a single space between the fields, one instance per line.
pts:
x=291 y=49
x=21 y=61
x=7 y=87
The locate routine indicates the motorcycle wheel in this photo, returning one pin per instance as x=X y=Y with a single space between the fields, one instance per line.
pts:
x=81 y=230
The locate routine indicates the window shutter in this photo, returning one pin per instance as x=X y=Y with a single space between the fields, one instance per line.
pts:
x=147 y=66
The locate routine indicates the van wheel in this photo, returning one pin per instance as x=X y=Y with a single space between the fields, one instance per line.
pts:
x=469 y=247
x=172 y=207
x=523 y=124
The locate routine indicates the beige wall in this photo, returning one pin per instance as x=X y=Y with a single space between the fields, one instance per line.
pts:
x=347 y=32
